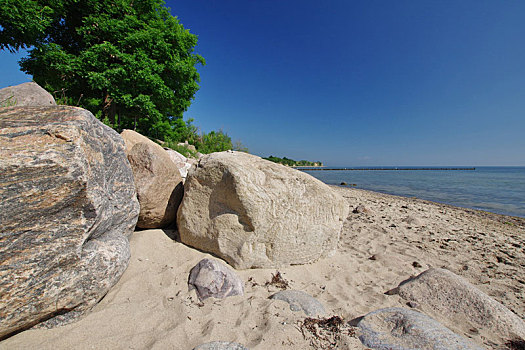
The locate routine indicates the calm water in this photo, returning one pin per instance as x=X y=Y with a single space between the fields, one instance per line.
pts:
x=495 y=189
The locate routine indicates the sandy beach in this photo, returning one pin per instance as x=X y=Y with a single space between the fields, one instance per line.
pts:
x=393 y=239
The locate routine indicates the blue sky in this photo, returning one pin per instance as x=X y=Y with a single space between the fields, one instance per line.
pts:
x=359 y=82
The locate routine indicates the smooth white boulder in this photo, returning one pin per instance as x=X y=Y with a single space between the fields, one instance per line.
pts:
x=257 y=214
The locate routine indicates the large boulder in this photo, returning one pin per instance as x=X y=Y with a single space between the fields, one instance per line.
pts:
x=448 y=297
x=257 y=214
x=176 y=157
x=26 y=94
x=131 y=138
x=67 y=208
x=403 y=329
x=157 y=180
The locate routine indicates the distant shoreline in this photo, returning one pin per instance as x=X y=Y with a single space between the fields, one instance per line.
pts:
x=308 y=167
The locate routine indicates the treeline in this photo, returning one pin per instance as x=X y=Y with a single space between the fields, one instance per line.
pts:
x=291 y=162
x=214 y=141
x=131 y=63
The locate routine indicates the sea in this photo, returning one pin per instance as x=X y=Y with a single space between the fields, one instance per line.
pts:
x=495 y=189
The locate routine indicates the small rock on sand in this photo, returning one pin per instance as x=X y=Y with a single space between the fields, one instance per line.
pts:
x=220 y=345
x=213 y=279
x=301 y=301
x=412 y=220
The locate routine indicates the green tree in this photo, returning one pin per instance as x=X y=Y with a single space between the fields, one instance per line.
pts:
x=24 y=22
x=129 y=62
x=186 y=131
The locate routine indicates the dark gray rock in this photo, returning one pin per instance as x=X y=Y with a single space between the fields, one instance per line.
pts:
x=67 y=207
x=403 y=329
x=26 y=94
x=214 y=279
x=221 y=345
x=460 y=305
x=301 y=301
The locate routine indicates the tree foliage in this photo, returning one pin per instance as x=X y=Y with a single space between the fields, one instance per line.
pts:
x=24 y=22
x=129 y=62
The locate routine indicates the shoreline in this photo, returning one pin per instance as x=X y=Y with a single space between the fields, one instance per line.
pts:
x=390 y=240
x=302 y=167
x=494 y=189
x=484 y=213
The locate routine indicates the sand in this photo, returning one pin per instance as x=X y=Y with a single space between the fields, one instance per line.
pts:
x=151 y=307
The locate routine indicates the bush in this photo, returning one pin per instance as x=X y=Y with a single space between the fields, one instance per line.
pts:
x=214 y=142
x=186 y=152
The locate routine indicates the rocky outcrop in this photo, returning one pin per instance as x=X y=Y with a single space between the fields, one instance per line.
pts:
x=211 y=278
x=403 y=329
x=182 y=163
x=176 y=157
x=67 y=207
x=448 y=297
x=26 y=94
x=157 y=181
x=301 y=301
x=254 y=213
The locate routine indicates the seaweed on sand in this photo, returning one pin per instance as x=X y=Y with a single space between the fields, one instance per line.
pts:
x=278 y=281
x=515 y=344
x=325 y=333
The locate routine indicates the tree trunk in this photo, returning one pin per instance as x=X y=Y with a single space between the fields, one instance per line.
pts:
x=118 y=117
x=108 y=108
x=112 y=113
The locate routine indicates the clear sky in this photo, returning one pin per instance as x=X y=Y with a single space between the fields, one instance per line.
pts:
x=359 y=82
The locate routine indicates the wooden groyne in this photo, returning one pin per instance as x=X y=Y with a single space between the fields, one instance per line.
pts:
x=435 y=169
